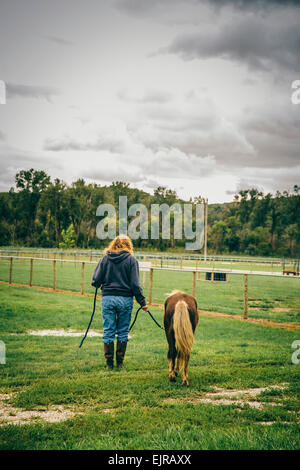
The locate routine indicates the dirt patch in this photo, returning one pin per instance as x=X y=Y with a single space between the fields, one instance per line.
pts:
x=269 y=423
x=225 y=401
x=280 y=309
x=61 y=332
x=232 y=397
x=252 y=392
x=6 y=396
x=11 y=415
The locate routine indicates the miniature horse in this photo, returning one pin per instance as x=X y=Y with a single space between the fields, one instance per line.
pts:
x=180 y=321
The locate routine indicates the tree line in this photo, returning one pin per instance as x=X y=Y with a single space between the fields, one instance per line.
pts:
x=39 y=212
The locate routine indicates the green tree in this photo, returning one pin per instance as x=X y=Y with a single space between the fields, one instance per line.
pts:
x=68 y=238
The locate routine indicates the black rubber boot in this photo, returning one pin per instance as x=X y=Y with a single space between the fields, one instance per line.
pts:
x=120 y=353
x=109 y=355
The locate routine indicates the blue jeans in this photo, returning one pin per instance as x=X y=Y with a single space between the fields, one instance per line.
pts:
x=116 y=313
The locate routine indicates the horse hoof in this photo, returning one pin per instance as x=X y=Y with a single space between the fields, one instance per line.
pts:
x=172 y=378
x=176 y=373
x=185 y=383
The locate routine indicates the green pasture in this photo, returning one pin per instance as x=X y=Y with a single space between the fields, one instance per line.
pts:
x=271 y=298
x=138 y=408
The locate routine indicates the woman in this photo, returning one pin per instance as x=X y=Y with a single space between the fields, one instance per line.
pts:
x=118 y=275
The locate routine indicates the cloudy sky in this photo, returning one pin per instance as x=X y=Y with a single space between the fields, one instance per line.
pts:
x=193 y=95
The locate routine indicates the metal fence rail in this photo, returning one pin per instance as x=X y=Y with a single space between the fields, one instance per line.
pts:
x=150 y=255
x=28 y=265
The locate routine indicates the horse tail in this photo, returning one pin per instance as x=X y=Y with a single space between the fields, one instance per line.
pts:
x=183 y=331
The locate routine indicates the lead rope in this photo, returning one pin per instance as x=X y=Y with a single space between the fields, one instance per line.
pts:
x=94 y=307
x=131 y=326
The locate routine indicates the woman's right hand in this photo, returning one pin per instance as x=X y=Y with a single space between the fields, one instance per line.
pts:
x=145 y=308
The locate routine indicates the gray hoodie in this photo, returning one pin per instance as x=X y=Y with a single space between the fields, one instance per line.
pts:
x=118 y=274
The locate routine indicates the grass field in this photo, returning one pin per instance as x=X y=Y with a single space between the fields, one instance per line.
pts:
x=276 y=299
x=137 y=408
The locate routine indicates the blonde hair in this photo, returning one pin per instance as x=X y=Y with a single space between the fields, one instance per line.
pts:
x=120 y=243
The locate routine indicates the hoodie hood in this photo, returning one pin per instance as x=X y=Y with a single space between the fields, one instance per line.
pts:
x=117 y=257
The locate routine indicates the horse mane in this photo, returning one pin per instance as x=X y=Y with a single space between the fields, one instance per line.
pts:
x=175 y=292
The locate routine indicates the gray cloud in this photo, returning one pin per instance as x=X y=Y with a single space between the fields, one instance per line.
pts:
x=194 y=127
x=107 y=142
x=149 y=96
x=191 y=11
x=144 y=6
x=60 y=41
x=254 y=4
x=265 y=136
x=13 y=160
x=173 y=163
x=259 y=42
x=28 y=91
x=243 y=185
x=2 y=135
x=117 y=173
x=268 y=180
x=274 y=133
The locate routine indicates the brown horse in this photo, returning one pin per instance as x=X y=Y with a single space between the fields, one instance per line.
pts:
x=180 y=320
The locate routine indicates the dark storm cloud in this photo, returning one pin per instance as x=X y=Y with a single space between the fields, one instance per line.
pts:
x=252 y=40
x=254 y=4
x=109 y=143
x=144 y=7
x=30 y=91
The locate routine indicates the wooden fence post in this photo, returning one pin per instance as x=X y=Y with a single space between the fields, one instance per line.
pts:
x=245 y=296
x=82 y=277
x=54 y=274
x=194 y=284
x=10 y=270
x=150 y=286
x=31 y=272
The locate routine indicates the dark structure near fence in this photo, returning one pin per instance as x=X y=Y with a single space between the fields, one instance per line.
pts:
x=211 y=276
x=294 y=271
